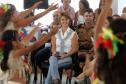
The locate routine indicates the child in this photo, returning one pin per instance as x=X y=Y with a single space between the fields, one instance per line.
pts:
x=10 y=19
x=13 y=50
x=110 y=50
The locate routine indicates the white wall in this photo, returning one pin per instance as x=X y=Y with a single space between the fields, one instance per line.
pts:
x=121 y=5
x=115 y=6
x=74 y=3
x=17 y=3
x=48 y=18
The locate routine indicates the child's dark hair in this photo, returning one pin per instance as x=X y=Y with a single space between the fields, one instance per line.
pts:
x=7 y=16
x=116 y=15
x=113 y=71
x=8 y=36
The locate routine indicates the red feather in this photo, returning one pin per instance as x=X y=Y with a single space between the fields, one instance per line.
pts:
x=2 y=11
x=108 y=44
x=2 y=43
x=99 y=41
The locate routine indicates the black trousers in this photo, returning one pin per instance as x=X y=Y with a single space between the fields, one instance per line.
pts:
x=39 y=56
x=42 y=55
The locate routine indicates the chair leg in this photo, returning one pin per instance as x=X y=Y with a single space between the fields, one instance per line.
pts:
x=41 y=78
x=61 y=72
x=69 y=76
x=28 y=78
x=35 y=72
x=67 y=80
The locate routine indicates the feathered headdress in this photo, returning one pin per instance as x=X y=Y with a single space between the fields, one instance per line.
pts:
x=109 y=42
x=4 y=8
x=2 y=43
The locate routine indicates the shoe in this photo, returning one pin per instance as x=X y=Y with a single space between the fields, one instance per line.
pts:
x=77 y=80
x=56 y=81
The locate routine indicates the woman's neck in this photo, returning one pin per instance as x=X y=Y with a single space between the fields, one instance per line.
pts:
x=64 y=29
x=55 y=22
x=65 y=7
x=81 y=12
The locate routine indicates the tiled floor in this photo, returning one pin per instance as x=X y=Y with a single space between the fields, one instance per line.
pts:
x=38 y=82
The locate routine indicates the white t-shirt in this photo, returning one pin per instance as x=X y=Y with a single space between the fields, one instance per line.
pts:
x=81 y=20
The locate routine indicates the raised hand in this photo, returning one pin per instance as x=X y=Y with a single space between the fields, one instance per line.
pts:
x=38 y=26
x=107 y=3
x=53 y=7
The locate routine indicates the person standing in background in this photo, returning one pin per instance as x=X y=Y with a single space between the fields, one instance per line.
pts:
x=67 y=9
x=79 y=16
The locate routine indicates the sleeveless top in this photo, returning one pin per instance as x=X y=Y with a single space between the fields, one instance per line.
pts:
x=67 y=42
x=16 y=66
x=10 y=26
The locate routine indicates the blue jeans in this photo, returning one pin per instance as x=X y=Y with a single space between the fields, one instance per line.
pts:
x=55 y=64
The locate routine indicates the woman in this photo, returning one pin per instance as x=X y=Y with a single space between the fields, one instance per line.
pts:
x=79 y=16
x=13 y=52
x=67 y=9
x=101 y=6
x=64 y=44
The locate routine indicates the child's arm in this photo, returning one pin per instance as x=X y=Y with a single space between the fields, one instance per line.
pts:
x=36 y=45
x=25 y=21
x=27 y=39
x=101 y=19
x=23 y=14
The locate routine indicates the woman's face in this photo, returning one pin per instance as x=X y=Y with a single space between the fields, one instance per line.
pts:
x=81 y=6
x=64 y=21
x=66 y=3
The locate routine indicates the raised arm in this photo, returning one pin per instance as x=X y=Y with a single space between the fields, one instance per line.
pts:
x=74 y=45
x=27 y=39
x=36 y=45
x=26 y=21
x=23 y=14
x=101 y=19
